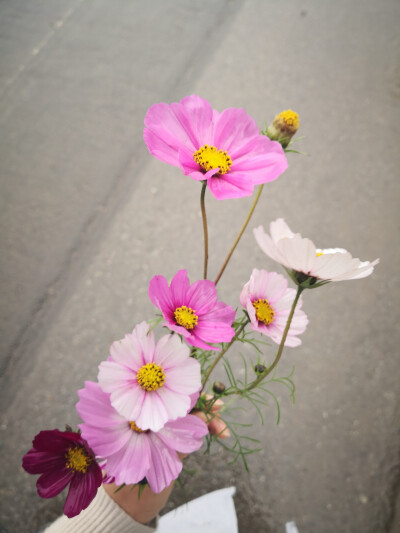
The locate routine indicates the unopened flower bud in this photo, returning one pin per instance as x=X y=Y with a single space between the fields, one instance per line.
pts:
x=218 y=387
x=284 y=127
x=259 y=369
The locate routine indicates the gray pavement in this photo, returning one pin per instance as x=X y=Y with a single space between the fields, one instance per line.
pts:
x=88 y=217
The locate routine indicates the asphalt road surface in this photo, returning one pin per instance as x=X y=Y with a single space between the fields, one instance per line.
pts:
x=88 y=217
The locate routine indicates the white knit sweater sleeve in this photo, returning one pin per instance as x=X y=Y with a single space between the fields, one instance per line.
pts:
x=102 y=516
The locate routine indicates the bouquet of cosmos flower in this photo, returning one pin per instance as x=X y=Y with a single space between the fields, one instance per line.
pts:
x=153 y=399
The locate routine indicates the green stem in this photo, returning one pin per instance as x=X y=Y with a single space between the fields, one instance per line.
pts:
x=205 y=229
x=240 y=234
x=223 y=352
x=268 y=370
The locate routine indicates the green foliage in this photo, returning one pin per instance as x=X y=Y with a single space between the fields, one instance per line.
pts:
x=240 y=445
x=238 y=449
x=155 y=321
x=119 y=488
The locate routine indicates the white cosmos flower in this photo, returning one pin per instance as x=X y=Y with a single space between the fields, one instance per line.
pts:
x=300 y=254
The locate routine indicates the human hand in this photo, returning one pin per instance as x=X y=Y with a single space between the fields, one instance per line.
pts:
x=216 y=425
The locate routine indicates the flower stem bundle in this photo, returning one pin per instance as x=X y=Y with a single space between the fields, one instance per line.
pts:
x=156 y=398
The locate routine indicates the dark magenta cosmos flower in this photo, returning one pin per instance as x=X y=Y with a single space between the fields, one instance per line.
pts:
x=193 y=310
x=62 y=458
x=226 y=149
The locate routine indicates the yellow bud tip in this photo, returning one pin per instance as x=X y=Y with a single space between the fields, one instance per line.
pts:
x=290 y=119
x=284 y=127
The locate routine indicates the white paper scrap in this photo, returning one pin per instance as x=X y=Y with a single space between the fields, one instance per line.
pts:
x=212 y=513
x=291 y=527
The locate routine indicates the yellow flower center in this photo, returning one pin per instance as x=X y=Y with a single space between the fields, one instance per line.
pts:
x=136 y=428
x=290 y=118
x=186 y=317
x=264 y=312
x=151 y=377
x=78 y=459
x=319 y=254
x=209 y=157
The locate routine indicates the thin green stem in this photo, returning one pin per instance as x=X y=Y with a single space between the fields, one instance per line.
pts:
x=268 y=370
x=205 y=229
x=239 y=234
x=223 y=352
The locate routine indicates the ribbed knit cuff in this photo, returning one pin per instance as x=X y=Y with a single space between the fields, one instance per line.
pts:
x=102 y=516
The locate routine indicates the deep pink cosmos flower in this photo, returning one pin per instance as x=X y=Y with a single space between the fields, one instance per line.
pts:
x=226 y=149
x=148 y=382
x=130 y=452
x=64 y=458
x=268 y=301
x=193 y=310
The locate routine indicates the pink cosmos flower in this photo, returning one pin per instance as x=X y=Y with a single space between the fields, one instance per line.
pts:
x=64 y=458
x=130 y=452
x=193 y=310
x=148 y=382
x=226 y=149
x=294 y=252
x=268 y=301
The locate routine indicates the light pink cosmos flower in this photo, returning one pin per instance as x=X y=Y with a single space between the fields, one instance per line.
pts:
x=226 y=149
x=148 y=382
x=131 y=453
x=193 y=310
x=294 y=252
x=268 y=301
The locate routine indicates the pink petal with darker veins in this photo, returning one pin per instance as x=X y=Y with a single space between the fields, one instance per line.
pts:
x=214 y=331
x=200 y=116
x=170 y=125
x=184 y=378
x=202 y=296
x=106 y=441
x=153 y=414
x=193 y=340
x=189 y=165
x=221 y=313
x=230 y=185
x=144 y=341
x=176 y=404
x=112 y=371
x=184 y=435
x=165 y=465
x=94 y=406
x=261 y=168
x=160 y=295
x=128 y=400
x=133 y=461
x=171 y=351
x=160 y=149
x=263 y=282
x=121 y=351
x=231 y=127
x=179 y=287
x=178 y=329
